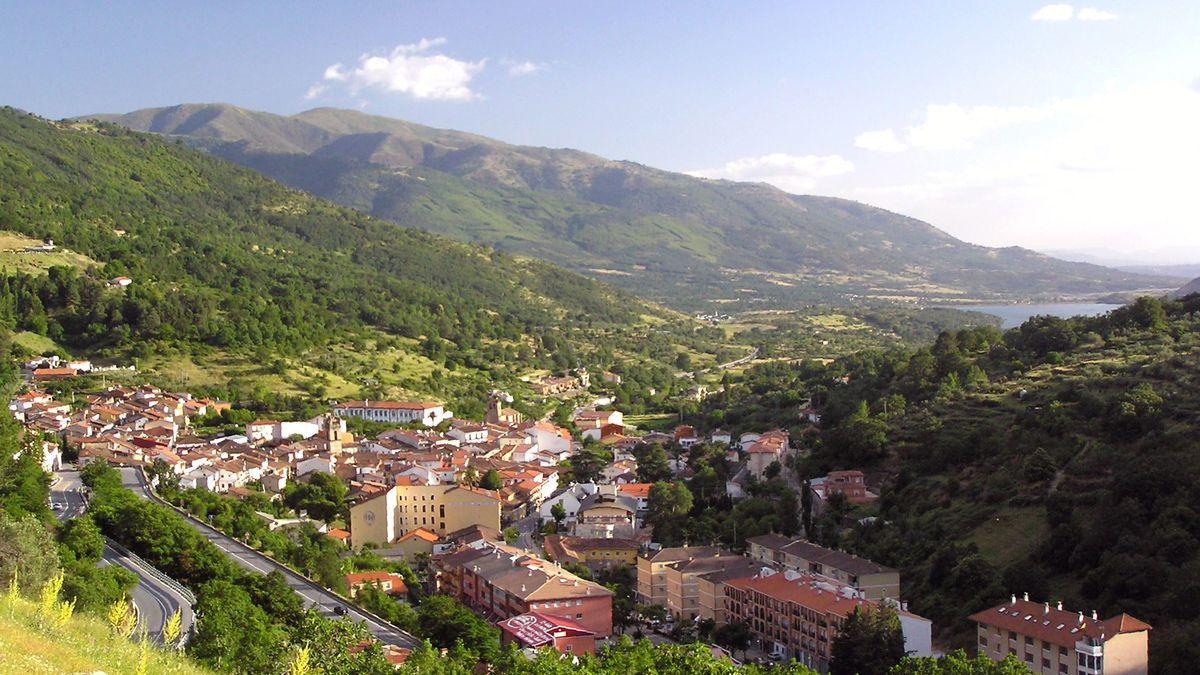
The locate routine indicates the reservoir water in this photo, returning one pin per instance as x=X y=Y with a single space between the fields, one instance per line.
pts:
x=1012 y=316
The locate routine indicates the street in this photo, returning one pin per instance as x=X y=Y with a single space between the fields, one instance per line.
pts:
x=313 y=594
x=155 y=600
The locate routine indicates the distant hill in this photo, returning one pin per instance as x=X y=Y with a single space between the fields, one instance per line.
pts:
x=668 y=236
x=1187 y=289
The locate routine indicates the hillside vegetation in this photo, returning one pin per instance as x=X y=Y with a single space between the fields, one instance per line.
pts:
x=84 y=644
x=1058 y=458
x=236 y=269
x=671 y=237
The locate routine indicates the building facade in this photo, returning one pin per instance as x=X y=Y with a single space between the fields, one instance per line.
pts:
x=386 y=516
x=1051 y=641
x=394 y=412
x=873 y=580
x=499 y=582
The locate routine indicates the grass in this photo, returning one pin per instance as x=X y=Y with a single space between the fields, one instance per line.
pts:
x=34 y=343
x=14 y=257
x=1011 y=534
x=85 y=644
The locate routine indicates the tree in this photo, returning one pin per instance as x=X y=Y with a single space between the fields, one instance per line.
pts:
x=668 y=501
x=27 y=552
x=559 y=513
x=860 y=437
x=491 y=480
x=587 y=463
x=733 y=636
x=870 y=643
x=232 y=633
x=511 y=535
x=82 y=538
x=958 y=663
x=323 y=497
x=806 y=509
x=447 y=621
x=653 y=464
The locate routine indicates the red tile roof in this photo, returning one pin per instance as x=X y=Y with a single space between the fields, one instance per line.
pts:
x=1053 y=625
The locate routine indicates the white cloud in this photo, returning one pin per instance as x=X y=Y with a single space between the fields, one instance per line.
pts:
x=794 y=173
x=314 y=91
x=521 y=68
x=413 y=70
x=1093 y=14
x=1054 y=13
x=1116 y=168
x=884 y=140
x=1062 y=12
x=949 y=126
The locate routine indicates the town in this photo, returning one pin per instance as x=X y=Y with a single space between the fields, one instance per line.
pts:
x=546 y=531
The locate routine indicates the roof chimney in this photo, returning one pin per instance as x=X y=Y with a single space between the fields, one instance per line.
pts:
x=1047 y=609
x=1094 y=617
x=1026 y=597
x=1081 y=617
x=1060 y=605
x=1014 y=599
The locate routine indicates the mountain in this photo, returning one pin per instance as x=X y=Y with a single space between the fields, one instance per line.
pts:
x=668 y=236
x=223 y=258
x=1187 y=289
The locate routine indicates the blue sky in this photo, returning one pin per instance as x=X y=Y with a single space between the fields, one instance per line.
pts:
x=1000 y=122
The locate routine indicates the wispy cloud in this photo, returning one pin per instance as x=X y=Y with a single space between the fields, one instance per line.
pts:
x=522 y=68
x=949 y=126
x=884 y=140
x=1054 y=13
x=1063 y=12
x=417 y=70
x=794 y=173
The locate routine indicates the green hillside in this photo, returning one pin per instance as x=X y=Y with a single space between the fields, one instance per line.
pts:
x=225 y=261
x=674 y=238
x=1058 y=458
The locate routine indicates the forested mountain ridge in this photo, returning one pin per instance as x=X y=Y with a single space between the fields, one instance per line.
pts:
x=1057 y=458
x=225 y=258
x=668 y=236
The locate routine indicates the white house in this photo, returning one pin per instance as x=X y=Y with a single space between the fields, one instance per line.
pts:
x=549 y=438
x=570 y=498
x=395 y=412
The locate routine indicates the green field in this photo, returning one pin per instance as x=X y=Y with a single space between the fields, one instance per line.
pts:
x=14 y=257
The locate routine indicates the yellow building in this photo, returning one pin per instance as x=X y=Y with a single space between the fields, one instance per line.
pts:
x=386 y=516
x=594 y=552
x=1051 y=641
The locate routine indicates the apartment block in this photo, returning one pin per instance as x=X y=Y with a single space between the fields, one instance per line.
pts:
x=873 y=580
x=1052 y=641
x=499 y=582
x=798 y=616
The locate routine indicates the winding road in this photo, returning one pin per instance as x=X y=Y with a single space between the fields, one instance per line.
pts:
x=313 y=594
x=154 y=599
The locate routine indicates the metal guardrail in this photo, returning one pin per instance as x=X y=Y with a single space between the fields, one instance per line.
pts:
x=153 y=571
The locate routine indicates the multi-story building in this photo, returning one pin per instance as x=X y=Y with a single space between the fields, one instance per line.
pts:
x=873 y=580
x=383 y=517
x=710 y=586
x=852 y=485
x=394 y=412
x=596 y=553
x=798 y=616
x=499 y=581
x=652 y=570
x=1052 y=641
x=765 y=450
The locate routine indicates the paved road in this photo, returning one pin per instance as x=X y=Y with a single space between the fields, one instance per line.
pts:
x=313 y=594
x=155 y=600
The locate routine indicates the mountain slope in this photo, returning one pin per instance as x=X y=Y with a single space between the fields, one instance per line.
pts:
x=668 y=236
x=1187 y=289
x=224 y=258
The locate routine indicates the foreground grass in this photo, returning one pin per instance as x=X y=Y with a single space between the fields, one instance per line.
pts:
x=84 y=644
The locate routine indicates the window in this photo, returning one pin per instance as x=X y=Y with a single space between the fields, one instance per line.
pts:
x=579 y=615
x=1029 y=657
x=983 y=640
x=1028 y=640
x=1012 y=635
x=1045 y=663
x=1062 y=667
x=1062 y=651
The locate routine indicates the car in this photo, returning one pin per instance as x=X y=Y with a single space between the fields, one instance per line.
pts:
x=340 y=610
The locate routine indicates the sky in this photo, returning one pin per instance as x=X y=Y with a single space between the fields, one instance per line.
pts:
x=1049 y=126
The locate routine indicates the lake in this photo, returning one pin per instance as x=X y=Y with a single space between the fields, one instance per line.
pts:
x=1012 y=316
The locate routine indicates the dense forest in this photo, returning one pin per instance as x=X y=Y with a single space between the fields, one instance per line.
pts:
x=1058 y=458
